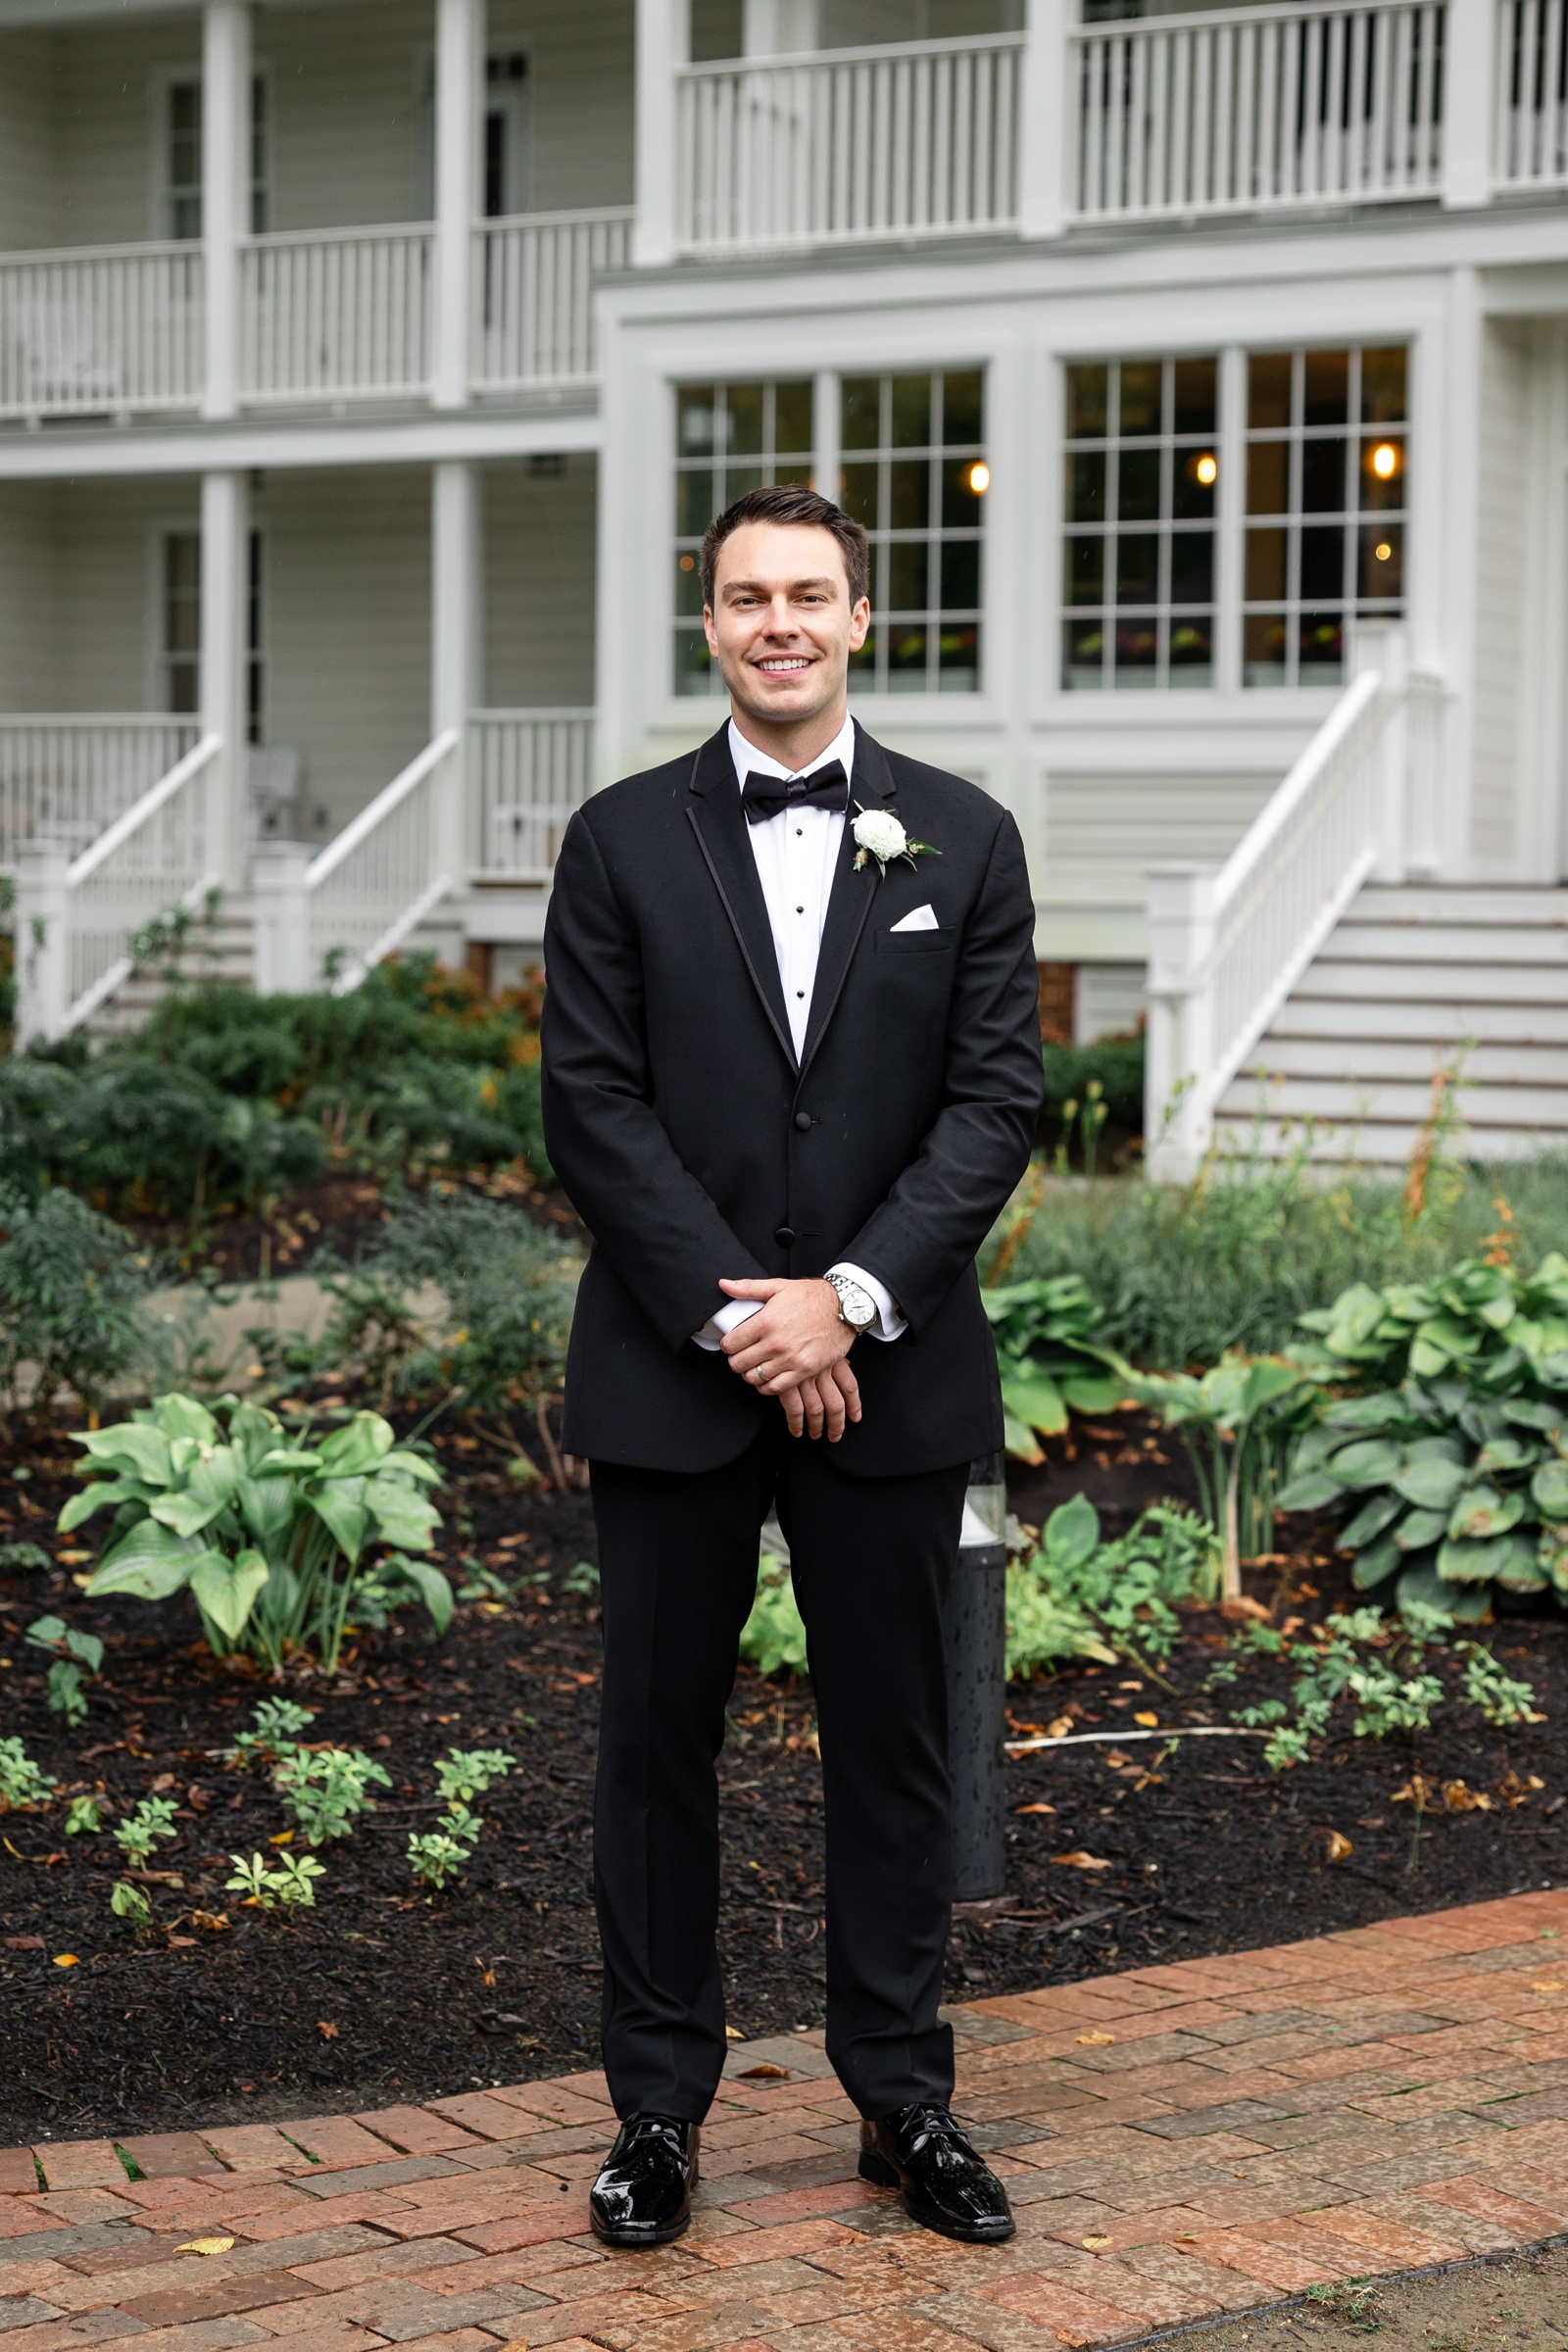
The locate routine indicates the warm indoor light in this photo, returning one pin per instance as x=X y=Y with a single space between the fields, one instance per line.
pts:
x=1383 y=551
x=1384 y=461
x=979 y=479
x=1207 y=470
x=688 y=562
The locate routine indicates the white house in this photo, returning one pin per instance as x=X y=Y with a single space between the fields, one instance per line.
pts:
x=369 y=369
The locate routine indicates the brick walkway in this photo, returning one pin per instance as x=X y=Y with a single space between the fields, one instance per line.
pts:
x=1178 y=2141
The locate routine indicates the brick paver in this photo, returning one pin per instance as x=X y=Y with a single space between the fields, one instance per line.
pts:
x=1179 y=2141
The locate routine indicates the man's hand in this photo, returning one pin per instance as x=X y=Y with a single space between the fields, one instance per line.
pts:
x=824 y=1403
x=797 y=1335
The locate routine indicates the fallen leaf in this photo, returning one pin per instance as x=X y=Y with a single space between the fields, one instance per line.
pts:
x=326 y=2030
x=1151 y=1723
x=1457 y=1798
x=73 y=1560
x=1058 y=1728
x=766 y=2073
x=1017 y=1808
x=213 y=1921
x=1101 y=2041
x=733 y=2034
x=1340 y=1846
x=1245 y=1607
x=1116 y=1760
x=24 y=1943
x=66 y=1960
x=1079 y=1860
x=185 y=1942
x=1096 y=2245
x=282 y=1837
x=1546 y=1985
x=208 y=2245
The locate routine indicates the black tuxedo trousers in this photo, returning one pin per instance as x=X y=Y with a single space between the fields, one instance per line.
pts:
x=695 y=1143
x=871 y=1560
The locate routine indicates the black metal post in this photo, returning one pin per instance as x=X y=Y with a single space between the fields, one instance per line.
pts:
x=975 y=1636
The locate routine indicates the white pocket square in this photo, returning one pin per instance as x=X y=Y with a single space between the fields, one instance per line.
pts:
x=922 y=919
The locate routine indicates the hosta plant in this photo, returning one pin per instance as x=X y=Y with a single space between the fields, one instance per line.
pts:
x=1450 y=1475
x=1236 y=1422
x=270 y=1532
x=1048 y=1359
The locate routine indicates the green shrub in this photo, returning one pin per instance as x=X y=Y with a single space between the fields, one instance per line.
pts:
x=1450 y=1472
x=327 y=1788
x=1047 y=1354
x=71 y=1285
x=272 y=1534
x=1076 y=1596
x=774 y=1634
x=1237 y=1423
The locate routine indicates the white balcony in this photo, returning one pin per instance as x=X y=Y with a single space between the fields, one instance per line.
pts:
x=116 y=329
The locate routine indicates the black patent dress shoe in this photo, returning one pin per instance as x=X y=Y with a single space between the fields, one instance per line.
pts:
x=946 y=2186
x=643 y=2197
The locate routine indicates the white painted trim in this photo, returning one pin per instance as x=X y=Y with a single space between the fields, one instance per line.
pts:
x=393 y=936
x=136 y=816
x=251 y=443
x=326 y=861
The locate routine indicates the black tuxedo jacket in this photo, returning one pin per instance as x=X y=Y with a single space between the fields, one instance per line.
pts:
x=694 y=1144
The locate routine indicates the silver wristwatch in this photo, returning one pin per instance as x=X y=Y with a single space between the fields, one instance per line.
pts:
x=856 y=1307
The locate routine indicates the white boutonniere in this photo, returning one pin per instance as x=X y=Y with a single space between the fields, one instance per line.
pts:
x=878 y=834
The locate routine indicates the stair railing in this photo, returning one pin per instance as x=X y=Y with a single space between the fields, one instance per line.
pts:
x=77 y=919
x=1226 y=950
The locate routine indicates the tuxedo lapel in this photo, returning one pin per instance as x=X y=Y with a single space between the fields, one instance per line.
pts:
x=850 y=901
x=716 y=817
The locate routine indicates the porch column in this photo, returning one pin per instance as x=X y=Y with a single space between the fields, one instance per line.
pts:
x=663 y=46
x=42 y=942
x=457 y=663
x=459 y=45
x=1467 y=65
x=226 y=192
x=1044 y=132
x=224 y=653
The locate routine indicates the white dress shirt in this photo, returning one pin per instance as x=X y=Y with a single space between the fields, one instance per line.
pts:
x=797 y=855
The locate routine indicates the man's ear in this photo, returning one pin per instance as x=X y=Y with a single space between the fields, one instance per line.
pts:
x=859 y=622
x=708 y=630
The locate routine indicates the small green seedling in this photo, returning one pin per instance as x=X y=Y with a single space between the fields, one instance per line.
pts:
x=581 y=1577
x=290 y=1883
x=85 y=1816
x=469 y=1772
x=76 y=1657
x=1501 y=1700
x=21 y=1781
x=153 y=1818
x=326 y=1790
x=275 y=1728
x=130 y=1903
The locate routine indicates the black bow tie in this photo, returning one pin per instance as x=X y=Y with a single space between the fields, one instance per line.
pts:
x=762 y=797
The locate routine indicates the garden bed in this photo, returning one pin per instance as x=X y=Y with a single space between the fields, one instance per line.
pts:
x=383 y=1991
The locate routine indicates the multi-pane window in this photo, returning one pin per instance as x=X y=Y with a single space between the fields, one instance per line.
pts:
x=914 y=472
x=181 y=587
x=729 y=439
x=183 y=161
x=1325 y=507
x=1137 y=555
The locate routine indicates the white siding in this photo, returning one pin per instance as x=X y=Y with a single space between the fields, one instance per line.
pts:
x=1105 y=831
x=29 y=589
x=109 y=82
x=348 y=89
x=107 y=536
x=581 y=97
x=1501 y=574
x=347 y=630
x=539 y=585
x=26 y=141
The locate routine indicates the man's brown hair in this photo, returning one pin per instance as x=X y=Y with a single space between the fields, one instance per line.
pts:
x=790 y=503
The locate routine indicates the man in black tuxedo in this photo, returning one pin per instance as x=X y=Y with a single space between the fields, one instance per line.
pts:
x=790 y=1078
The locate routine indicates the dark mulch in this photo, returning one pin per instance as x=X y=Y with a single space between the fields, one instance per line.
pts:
x=382 y=1993
x=334 y=1213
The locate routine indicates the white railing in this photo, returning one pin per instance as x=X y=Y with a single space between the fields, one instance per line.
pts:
x=533 y=295
x=368 y=888
x=909 y=140
x=528 y=771
x=95 y=330
x=1254 y=109
x=1226 y=950
x=67 y=779
x=1530 y=94
x=336 y=313
x=76 y=919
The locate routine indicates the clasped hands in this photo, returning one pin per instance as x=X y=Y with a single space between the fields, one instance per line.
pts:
x=797 y=1350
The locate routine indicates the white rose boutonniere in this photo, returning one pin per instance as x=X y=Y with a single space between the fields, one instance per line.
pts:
x=878 y=834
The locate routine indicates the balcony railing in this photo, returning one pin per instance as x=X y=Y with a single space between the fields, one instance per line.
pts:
x=66 y=780
x=533 y=295
x=337 y=314
x=528 y=771
x=1530 y=94
x=1256 y=109
x=100 y=330
x=914 y=140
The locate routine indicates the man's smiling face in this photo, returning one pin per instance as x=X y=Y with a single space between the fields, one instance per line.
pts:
x=781 y=625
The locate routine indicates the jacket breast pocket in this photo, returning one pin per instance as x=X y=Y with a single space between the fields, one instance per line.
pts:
x=916 y=943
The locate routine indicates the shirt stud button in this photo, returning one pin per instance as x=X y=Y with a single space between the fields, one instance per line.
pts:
x=802 y=1122
x=784 y=1236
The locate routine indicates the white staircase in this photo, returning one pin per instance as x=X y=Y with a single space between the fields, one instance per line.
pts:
x=221 y=949
x=1414 y=977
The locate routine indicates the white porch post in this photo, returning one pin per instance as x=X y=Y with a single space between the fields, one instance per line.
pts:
x=1178 y=1117
x=459 y=42
x=226 y=192
x=456 y=668
x=1467 y=68
x=225 y=651
x=282 y=915
x=1380 y=646
x=664 y=45
x=43 y=942
x=1045 y=133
